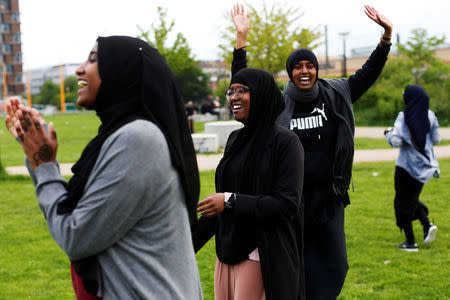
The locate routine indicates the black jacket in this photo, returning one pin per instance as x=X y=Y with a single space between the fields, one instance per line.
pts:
x=340 y=94
x=272 y=214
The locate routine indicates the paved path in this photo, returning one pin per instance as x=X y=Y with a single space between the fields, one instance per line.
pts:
x=210 y=162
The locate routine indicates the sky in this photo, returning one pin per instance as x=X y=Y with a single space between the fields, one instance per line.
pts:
x=64 y=31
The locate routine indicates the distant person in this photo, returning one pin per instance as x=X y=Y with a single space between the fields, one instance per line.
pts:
x=190 y=108
x=207 y=107
x=256 y=213
x=415 y=132
x=320 y=112
x=124 y=217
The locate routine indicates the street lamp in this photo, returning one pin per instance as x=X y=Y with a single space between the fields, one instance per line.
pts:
x=344 y=64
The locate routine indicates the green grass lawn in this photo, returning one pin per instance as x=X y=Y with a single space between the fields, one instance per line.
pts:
x=33 y=267
x=74 y=131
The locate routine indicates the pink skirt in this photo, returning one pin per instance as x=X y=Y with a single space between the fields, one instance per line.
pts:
x=242 y=281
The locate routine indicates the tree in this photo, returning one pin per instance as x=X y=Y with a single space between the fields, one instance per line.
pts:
x=193 y=83
x=49 y=93
x=420 y=48
x=415 y=63
x=274 y=34
x=71 y=88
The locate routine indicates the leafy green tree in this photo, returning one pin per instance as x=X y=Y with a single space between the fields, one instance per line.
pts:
x=49 y=93
x=222 y=86
x=274 y=33
x=193 y=83
x=415 y=63
x=420 y=46
x=71 y=88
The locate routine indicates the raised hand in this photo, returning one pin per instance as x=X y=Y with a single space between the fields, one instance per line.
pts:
x=380 y=19
x=241 y=20
x=39 y=147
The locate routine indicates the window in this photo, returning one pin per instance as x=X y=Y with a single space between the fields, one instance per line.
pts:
x=15 y=17
x=7 y=48
x=5 y=28
x=9 y=68
x=16 y=37
x=18 y=57
x=1 y=17
x=5 y=4
x=18 y=78
x=11 y=89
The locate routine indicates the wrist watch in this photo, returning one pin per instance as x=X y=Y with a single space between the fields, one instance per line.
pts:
x=228 y=201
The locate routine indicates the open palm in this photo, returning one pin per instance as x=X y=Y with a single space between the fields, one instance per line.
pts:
x=241 y=18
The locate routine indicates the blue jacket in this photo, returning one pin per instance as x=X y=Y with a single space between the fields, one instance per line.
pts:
x=416 y=164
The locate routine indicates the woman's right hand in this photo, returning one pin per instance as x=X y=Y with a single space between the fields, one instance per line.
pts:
x=12 y=106
x=241 y=20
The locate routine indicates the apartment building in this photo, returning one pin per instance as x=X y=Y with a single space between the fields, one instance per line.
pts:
x=11 y=48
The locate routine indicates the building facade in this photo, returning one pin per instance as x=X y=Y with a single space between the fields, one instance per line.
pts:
x=40 y=75
x=11 y=47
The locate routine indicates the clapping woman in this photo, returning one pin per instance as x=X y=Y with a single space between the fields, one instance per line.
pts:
x=123 y=218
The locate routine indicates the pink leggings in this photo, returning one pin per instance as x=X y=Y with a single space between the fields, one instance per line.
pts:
x=242 y=281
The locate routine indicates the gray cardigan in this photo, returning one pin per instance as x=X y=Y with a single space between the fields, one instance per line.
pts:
x=132 y=216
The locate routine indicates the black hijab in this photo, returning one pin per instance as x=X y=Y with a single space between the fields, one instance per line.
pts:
x=136 y=83
x=266 y=104
x=416 y=115
x=299 y=55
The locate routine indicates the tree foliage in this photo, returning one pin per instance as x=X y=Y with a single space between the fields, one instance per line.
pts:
x=415 y=63
x=193 y=83
x=49 y=94
x=71 y=88
x=275 y=32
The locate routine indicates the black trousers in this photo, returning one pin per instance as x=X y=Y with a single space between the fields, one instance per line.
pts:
x=325 y=256
x=406 y=203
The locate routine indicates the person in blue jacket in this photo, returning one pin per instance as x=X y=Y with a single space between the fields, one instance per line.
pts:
x=415 y=132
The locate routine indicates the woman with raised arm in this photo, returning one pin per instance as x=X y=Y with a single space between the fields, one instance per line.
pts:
x=256 y=213
x=124 y=217
x=320 y=112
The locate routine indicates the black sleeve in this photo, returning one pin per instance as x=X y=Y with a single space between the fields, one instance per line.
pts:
x=239 y=60
x=363 y=79
x=203 y=232
x=284 y=201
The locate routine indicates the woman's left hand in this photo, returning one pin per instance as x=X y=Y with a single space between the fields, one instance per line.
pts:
x=212 y=205
x=378 y=18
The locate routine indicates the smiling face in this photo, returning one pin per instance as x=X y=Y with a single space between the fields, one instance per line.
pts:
x=239 y=102
x=304 y=74
x=89 y=80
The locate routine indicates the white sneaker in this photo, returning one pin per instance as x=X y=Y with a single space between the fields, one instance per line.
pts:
x=431 y=234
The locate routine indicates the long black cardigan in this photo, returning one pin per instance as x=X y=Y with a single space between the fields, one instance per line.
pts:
x=274 y=211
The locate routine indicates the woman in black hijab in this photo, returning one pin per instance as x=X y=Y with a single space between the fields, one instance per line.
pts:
x=415 y=132
x=123 y=219
x=256 y=214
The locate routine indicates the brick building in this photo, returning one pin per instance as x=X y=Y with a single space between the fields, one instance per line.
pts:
x=11 y=47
